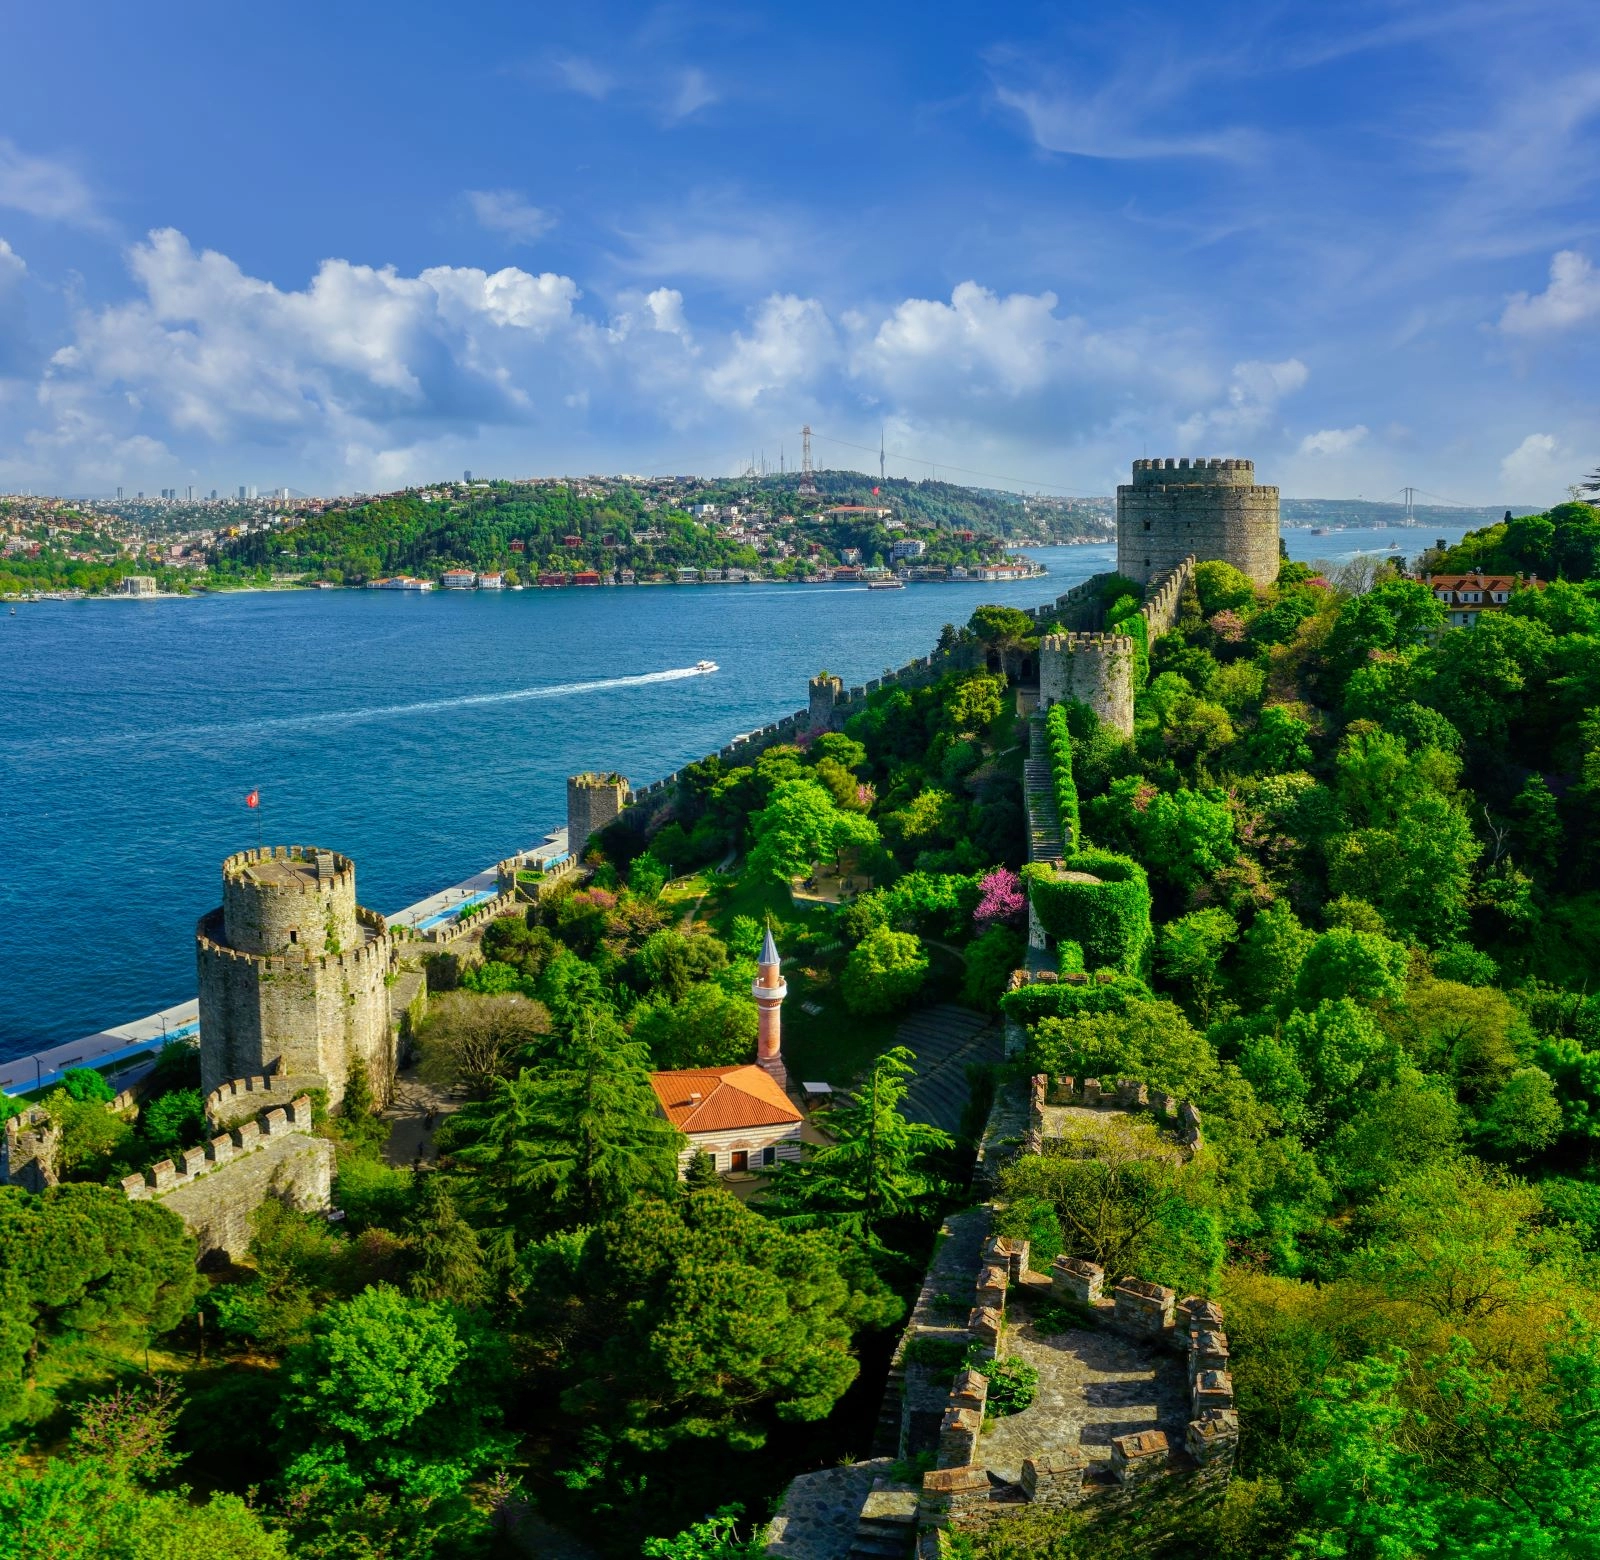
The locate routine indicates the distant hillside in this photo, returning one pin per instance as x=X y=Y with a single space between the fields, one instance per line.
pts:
x=1362 y=511
x=652 y=526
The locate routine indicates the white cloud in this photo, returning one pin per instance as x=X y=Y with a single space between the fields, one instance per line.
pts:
x=211 y=351
x=792 y=341
x=1534 y=469
x=1333 y=441
x=584 y=76
x=12 y=265
x=1255 y=388
x=666 y=311
x=510 y=213
x=694 y=93
x=1572 y=297
x=43 y=187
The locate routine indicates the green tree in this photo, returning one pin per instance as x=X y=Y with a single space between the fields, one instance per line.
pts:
x=1364 y=965
x=878 y=1167
x=83 y=1261
x=706 y=1028
x=1189 y=953
x=883 y=972
x=390 y=1393
x=1271 y=953
x=448 y=1260
x=570 y=1141
x=710 y=1320
x=801 y=826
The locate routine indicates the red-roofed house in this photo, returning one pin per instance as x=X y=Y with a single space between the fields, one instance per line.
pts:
x=738 y=1115
x=741 y=1116
x=1465 y=596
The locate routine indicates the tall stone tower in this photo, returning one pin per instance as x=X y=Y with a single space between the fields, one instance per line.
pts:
x=769 y=990
x=593 y=801
x=293 y=975
x=1210 y=508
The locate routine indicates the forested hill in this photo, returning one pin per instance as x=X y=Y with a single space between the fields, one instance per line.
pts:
x=647 y=525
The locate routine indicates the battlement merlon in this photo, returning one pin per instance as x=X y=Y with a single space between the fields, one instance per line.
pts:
x=1212 y=471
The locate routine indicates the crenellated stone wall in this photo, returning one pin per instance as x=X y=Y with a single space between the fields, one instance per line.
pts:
x=28 y=1150
x=216 y=1187
x=1145 y=1465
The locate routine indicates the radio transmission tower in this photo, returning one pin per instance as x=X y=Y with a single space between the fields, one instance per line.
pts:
x=881 y=477
x=808 y=476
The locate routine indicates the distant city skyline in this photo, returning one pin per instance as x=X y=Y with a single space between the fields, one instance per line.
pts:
x=1018 y=248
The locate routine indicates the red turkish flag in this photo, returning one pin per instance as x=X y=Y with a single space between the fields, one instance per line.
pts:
x=253 y=799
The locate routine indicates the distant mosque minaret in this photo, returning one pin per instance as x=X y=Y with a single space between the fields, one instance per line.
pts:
x=769 y=990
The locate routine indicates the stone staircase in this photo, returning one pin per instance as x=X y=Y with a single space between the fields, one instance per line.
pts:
x=1044 y=825
x=887 y=1526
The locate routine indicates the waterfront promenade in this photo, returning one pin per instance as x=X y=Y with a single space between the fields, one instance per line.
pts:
x=134 y=1042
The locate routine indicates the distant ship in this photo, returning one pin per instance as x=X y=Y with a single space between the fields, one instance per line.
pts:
x=705 y=666
x=886 y=584
x=1319 y=530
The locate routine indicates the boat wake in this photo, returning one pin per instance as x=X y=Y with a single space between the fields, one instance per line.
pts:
x=466 y=701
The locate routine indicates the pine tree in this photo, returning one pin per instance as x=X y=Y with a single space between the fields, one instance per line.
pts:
x=449 y=1258
x=879 y=1166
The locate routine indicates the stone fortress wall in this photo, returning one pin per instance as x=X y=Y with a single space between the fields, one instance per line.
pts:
x=216 y=1187
x=294 y=974
x=1205 y=508
x=1096 y=666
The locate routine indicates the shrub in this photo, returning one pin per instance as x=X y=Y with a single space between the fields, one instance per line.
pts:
x=1013 y=1383
x=1066 y=789
x=884 y=971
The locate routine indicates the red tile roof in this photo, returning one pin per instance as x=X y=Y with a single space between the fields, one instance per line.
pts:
x=722 y=1099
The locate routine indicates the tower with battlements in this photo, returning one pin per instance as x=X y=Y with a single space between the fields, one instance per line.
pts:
x=769 y=990
x=593 y=801
x=1207 y=509
x=294 y=975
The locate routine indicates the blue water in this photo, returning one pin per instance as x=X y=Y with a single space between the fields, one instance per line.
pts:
x=426 y=736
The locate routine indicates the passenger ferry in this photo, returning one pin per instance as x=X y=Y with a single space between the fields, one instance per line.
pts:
x=886 y=584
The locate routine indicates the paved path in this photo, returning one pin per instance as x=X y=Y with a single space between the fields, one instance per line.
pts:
x=416 y=1113
x=947 y=1040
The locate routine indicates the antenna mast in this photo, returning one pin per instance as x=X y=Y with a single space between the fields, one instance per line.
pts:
x=808 y=477
x=881 y=477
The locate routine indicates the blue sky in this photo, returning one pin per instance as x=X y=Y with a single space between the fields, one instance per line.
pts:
x=350 y=247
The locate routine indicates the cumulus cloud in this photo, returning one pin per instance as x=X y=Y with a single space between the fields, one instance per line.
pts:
x=509 y=213
x=1333 y=441
x=1534 y=469
x=213 y=351
x=1572 y=298
x=1254 y=390
x=791 y=342
x=44 y=187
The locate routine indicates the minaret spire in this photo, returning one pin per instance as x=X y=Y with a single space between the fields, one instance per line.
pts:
x=769 y=989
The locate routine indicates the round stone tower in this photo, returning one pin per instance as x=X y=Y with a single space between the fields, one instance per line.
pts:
x=1210 y=508
x=769 y=989
x=293 y=975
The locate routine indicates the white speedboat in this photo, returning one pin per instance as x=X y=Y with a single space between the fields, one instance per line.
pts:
x=705 y=666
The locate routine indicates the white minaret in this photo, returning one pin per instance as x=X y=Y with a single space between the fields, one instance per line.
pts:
x=769 y=990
